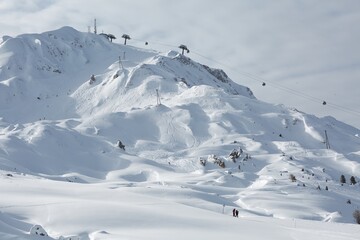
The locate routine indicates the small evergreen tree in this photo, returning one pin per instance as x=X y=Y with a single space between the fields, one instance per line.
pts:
x=352 y=180
x=342 y=179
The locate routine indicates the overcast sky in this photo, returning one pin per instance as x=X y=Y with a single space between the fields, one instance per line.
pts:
x=307 y=52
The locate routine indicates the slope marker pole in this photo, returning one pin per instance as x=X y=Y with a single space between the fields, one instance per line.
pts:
x=327 y=143
x=158 y=101
x=121 y=67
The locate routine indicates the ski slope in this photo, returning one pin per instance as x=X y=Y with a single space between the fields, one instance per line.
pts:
x=61 y=168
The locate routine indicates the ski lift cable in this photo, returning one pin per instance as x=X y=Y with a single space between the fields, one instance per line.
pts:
x=261 y=80
x=311 y=98
x=344 y=109
x=283 y=88
x=158 y=43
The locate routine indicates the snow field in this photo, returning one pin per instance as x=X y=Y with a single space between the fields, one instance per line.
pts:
x=61 y=168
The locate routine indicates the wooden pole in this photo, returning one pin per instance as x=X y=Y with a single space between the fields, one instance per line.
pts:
x=327 y=144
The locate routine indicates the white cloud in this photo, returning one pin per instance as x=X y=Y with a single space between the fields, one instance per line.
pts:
x=24 y=5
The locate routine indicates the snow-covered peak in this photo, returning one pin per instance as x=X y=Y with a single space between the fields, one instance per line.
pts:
x=58 y=64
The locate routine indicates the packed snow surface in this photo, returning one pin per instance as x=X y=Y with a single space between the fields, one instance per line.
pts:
x=157 y=146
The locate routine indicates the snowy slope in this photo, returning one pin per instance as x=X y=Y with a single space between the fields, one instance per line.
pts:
x=61 y=167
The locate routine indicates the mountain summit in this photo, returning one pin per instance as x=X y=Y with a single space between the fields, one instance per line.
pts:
x=76 y=108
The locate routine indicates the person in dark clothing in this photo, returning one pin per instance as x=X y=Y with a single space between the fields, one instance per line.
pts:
x=234 y=212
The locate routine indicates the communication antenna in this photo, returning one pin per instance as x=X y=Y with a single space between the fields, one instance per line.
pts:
x=158 y=101
x=95 y=30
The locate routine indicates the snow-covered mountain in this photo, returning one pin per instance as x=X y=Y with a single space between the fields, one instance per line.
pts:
x=61 y=166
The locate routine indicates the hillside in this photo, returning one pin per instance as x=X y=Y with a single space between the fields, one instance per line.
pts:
x=178 y=120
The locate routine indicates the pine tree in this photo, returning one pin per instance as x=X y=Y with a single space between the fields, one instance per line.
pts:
x=342 y=179
x=352 y=180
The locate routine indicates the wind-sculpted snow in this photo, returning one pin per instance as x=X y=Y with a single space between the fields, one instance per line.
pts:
x=158 y=141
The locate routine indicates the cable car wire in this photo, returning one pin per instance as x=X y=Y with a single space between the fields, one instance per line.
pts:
x=264 y=82
x=284 y=88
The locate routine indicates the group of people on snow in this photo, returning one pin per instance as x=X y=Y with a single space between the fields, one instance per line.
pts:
x=235 y=213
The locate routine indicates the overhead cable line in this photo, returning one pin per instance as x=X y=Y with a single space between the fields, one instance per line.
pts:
x=283 y=88
x=157 y=43
x=263 y=81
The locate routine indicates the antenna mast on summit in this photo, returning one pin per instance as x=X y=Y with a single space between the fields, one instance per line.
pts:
x=95 y=30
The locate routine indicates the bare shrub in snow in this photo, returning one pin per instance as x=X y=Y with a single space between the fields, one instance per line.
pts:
x=356 y=215
x=234 y=155
x=120 y=145
x=203 y=162
x=292 y=177
x=222 y=164
x=217 y=160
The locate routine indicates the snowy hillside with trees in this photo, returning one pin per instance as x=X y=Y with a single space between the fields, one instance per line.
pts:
x=106 y=141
